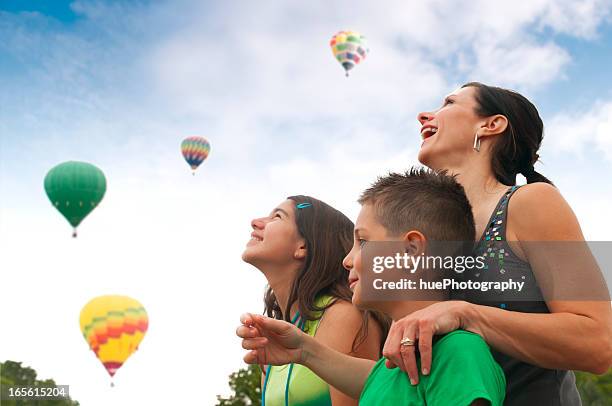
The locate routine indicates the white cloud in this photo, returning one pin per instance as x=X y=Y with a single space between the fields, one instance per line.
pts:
x=521 y=65
x=495 y=41
x=578 y=131
x=577 y=18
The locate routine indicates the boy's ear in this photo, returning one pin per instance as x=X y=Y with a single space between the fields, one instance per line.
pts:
x=415 y=243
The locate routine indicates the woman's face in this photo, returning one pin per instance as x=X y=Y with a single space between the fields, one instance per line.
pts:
x=275 y=238
x=447 y=134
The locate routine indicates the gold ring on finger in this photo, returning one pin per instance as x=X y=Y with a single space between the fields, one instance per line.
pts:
x=407 y=342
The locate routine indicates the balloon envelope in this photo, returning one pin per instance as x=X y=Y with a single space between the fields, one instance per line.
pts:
x=75 y=189
x=113 y=326
x=195 y=150
x=349 y=48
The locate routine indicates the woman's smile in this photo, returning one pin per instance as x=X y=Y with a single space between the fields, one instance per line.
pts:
x=428 y=131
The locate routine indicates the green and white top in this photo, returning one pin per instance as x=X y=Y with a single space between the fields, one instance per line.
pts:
x=295 y=384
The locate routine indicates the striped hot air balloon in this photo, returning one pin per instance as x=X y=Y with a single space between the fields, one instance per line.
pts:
x=113 y=326
x=195 y=150
x=349 y=48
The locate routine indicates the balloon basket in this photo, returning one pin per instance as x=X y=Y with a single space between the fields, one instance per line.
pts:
x=74 y=233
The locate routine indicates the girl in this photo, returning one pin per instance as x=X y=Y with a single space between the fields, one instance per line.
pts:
x=299 y=248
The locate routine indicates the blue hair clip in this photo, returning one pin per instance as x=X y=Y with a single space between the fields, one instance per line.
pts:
x=303 y=205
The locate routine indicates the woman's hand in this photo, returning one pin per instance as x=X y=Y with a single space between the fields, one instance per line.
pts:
x=421 y=326
x=270 y=341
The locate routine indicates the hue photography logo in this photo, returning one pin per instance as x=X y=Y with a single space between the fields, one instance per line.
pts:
x=394 y=270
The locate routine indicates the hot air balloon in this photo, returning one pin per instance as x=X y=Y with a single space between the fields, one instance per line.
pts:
x=195 y=150
x=349 y=48
x=75 y=189
x=113 y=326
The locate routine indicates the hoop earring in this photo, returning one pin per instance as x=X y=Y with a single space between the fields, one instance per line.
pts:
x=476 y=143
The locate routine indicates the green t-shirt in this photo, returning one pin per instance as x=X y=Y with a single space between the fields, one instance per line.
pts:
x=462 y=370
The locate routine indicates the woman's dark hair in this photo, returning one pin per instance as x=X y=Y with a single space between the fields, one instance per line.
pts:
x=516 y=149
x=329 y=237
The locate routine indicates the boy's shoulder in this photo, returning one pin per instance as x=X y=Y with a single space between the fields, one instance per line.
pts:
x=458 y=346
x=459 y=338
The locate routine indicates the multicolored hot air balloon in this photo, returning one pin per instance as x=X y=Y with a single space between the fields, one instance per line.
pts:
x=195 y=150
x=75 y=189
x=349 y=48
x=113 y=326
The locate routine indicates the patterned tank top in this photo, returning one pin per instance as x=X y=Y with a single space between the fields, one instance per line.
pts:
x=305 y=387
x=526 y=384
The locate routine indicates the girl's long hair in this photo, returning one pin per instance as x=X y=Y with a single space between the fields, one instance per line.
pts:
x=329 y=237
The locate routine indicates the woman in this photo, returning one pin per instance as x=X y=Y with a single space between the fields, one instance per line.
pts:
x=486 y=136
x=299 y=248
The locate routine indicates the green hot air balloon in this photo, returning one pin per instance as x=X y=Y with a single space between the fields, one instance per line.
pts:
x=75 y=189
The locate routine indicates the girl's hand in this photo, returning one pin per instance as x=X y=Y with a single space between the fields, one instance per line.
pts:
x=270 y=341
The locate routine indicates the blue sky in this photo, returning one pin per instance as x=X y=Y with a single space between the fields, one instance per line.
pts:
x=57 y=9
x=587 y=78
x=121 y=83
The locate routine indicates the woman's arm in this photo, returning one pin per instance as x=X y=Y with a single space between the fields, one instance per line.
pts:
x=277 y=342
x=578 y=332
x=560 y=340
x=575 y=335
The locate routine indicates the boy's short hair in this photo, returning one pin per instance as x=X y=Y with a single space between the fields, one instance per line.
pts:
x=433 y=203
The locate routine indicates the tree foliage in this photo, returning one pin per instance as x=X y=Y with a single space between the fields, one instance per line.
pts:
x=595 y=390
x=13 y=374
x=246 y=388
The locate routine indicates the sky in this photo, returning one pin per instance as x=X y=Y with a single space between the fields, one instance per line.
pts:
x=121 y=83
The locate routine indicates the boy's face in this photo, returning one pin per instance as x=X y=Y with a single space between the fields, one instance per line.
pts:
x=367 y=228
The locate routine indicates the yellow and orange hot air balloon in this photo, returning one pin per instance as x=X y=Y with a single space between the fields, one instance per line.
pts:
x=113 y=326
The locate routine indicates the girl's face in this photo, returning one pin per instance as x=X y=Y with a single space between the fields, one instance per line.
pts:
x=447 y=134
x=275 y=238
